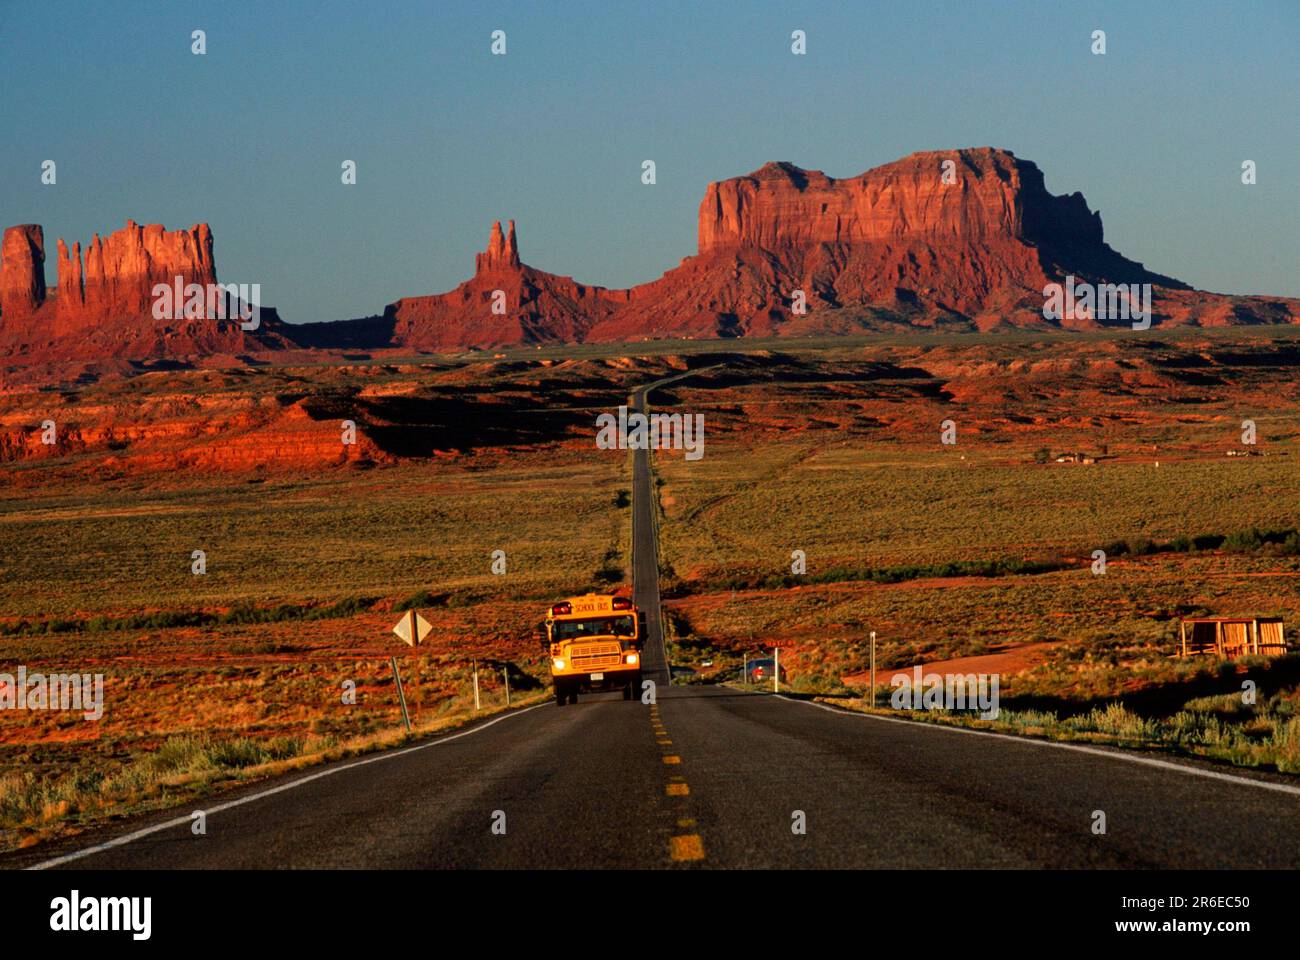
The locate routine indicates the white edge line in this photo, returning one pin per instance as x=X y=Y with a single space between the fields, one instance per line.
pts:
x=230 y=804
x=1095 y=751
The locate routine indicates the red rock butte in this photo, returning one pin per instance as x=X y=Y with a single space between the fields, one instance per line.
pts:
x=958 y=239
x=105 y=306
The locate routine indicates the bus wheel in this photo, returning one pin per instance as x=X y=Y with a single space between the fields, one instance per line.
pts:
x=627 y=691
x=560 y=695
x=573 y=696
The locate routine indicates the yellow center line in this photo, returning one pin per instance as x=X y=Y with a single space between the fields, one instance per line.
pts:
x=687 y=847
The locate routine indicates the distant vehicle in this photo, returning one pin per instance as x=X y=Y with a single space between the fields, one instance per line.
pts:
x=756 y=671
x=593 y=643
x=707 y=663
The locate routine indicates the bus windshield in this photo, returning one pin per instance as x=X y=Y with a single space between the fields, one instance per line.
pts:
x=622 y=626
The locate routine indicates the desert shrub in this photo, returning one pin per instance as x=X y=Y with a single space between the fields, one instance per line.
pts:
x=180 y=754
x=1115 y=719
x=1244 y=540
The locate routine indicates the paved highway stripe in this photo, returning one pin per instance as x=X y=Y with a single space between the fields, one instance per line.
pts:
x=1095 y=751
x=230 y=804
x=678 y=790
x=688 y=847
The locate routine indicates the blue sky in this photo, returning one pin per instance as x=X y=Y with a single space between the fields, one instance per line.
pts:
x=447 y=137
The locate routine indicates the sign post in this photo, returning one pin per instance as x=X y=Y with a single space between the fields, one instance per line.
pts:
x=401 y=696
x=776 y=669
x=412 y=629
x=476 y=704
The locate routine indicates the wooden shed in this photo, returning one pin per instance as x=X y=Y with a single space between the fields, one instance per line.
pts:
x=1231 y=636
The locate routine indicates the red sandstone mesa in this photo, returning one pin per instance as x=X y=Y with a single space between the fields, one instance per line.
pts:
x=897 y=247
x=103 y=306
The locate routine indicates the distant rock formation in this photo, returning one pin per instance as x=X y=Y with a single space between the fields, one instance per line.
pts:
x=505 y=302
x=122 y=269
x=501 y=253
x=964 y=239
x=104 y=308
x=22 y=272
x=959 y=239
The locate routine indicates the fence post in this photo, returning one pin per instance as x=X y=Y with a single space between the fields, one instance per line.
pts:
x=873 y=668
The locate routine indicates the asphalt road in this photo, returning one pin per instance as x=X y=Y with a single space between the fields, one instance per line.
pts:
x=712 y=777
x=645 y=553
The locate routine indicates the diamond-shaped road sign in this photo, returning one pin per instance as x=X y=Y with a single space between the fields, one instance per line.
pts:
x=412 y=628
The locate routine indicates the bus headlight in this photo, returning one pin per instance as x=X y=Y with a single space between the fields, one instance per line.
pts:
x=559 y=664
x=631 y=659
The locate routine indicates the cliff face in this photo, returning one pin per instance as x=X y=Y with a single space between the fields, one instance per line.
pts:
x=122 y=269
x=103 y=307
x=22 y=272
x=962 y=236
x=990 y=196
x=169 y=432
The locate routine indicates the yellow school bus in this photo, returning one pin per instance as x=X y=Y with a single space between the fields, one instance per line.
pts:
x=593 y=643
